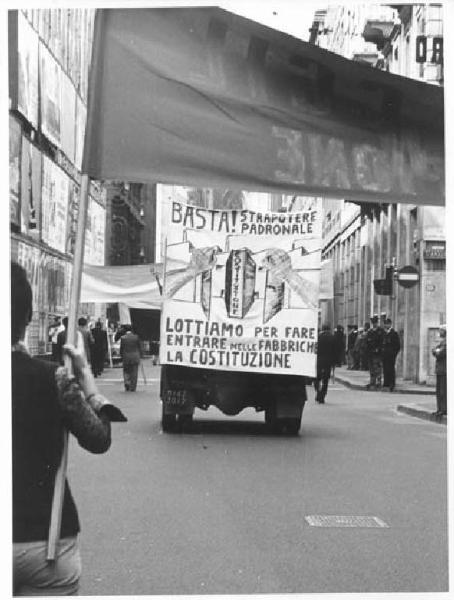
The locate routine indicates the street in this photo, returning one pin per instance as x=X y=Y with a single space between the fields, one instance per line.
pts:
x=221 y=509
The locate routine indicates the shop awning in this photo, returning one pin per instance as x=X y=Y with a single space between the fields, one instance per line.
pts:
x=203 y=97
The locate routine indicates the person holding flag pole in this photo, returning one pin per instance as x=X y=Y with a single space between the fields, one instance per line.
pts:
x=48 y=402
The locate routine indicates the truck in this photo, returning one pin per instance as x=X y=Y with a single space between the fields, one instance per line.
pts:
x=239 y=323
x=183 y=389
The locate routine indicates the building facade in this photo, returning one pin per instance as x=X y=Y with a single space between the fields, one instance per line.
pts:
x=49 y=57
x=362 y=240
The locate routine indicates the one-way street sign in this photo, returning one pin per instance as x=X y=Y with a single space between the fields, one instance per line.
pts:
x=407 y=276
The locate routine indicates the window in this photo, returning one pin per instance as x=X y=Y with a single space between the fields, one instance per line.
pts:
x=436 y=265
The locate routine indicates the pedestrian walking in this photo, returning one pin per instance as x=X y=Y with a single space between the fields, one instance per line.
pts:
x=87 y=338
x=45 y=400
x=131 y=353
x=391 y=348
x=440 y=371
x=375 y=354
x=339 y=344
x=351 y=339
x=100 y=348
x=363 y=352
x=326 y=359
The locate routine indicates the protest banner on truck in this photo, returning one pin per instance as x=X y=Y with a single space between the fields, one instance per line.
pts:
x=247 y=297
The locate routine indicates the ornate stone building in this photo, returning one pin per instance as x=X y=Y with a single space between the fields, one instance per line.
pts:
x=362 y=240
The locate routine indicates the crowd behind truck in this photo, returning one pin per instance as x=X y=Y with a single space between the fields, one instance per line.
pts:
x=105 y=345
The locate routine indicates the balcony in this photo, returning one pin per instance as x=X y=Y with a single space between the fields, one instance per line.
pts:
x=378 y=32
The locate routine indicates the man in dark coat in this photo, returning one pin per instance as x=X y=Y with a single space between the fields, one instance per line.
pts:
x=131 y=354
x=363 y=352
x=440 y=370
x=326 y=359
x=339 y=344
x=99 y=349
x=351 y=339
x=375 y=353
x=391 y=348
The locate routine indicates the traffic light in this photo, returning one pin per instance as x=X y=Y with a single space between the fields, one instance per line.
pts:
x=384 y=287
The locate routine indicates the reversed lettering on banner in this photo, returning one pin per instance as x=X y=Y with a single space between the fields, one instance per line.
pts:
x=248 y=297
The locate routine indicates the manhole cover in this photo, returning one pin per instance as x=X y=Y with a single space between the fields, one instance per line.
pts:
x=344 y=521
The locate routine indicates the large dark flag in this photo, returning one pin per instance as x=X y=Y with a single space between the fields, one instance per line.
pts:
x=203 y=97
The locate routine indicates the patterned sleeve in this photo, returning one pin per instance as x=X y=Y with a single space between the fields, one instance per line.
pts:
x=84 y=419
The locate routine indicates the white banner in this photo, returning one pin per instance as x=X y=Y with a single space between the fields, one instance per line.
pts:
x=247 y=298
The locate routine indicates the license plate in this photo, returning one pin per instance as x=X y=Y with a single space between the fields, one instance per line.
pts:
x=176 y=398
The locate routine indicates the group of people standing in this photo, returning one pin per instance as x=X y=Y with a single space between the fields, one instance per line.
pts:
x=383 y=346
x=92 y=340
x=95 y=345
x=375 y=349
x=372 y=348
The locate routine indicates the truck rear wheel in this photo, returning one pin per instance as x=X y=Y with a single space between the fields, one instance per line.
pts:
x=290 y=426
x=184 y=422
x=168 y=422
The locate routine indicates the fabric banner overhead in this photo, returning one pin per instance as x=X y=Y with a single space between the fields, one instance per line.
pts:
x=135 y=286
x=203 y=97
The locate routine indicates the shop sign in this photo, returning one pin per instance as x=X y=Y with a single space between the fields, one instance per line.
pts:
x=67 y=166
x=434 y=250
x=422 y=49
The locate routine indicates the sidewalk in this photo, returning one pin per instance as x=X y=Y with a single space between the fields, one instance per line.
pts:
x=422 y=408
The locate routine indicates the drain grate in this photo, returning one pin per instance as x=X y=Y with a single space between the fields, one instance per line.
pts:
x=344 y=521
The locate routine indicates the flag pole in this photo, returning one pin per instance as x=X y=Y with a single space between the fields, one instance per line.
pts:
x=71 y=338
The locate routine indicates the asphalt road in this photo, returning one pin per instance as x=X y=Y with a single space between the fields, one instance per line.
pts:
x=222 y=510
